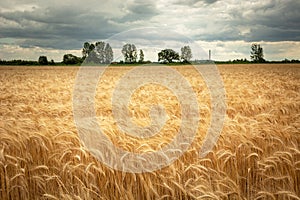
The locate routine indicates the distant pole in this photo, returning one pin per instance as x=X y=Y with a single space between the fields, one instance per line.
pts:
x=209 y=55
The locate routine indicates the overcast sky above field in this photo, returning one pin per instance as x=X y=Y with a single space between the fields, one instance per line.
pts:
x=29 y=28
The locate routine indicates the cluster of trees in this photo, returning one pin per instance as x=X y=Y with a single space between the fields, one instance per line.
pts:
x=98 y=53
x=169 y=55
x=70 y=59
x=43 y=60
x=18 y=62
x=235 y=61
x=129 y=52
x=289 y=61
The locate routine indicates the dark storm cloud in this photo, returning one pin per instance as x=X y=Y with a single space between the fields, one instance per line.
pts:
x=219 y=32
x=66 y=27
x=273 y=34
x=56 y=27
x=275 y=21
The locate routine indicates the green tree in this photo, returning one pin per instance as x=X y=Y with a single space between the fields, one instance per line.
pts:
x=168 y=55
x=256 y=53
x=92 y=58
x=129 y=52
x=186 y=53
x=43 y=60
x=98 y=53
x=87 y=49
x=141 y=60
x=99 y=47
x=109 y=54
x=70 y=59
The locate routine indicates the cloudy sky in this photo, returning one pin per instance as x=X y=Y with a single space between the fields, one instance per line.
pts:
x=30 y=28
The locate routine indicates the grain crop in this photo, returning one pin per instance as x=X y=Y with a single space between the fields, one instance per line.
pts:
x=257 y=155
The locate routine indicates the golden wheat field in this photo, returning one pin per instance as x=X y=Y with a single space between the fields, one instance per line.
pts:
x=257 y=155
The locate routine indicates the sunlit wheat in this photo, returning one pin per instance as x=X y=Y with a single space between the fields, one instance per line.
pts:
x=256 y=157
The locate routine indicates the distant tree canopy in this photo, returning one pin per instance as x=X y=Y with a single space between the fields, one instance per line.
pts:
x=100 y=53
x=70 y=59
x=43 y=60
x=186 y=54
x=257 y=54
x=168 y=55
x=129 y=52
x=18 y=62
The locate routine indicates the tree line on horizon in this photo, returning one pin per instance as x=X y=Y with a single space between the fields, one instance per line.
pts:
x=102 y=53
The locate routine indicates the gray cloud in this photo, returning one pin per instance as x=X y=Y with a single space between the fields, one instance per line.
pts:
x=56 y=27
x=65 y=27
x=193 y=2
x=228 y=20
x=138 y=10
x=273 y=21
